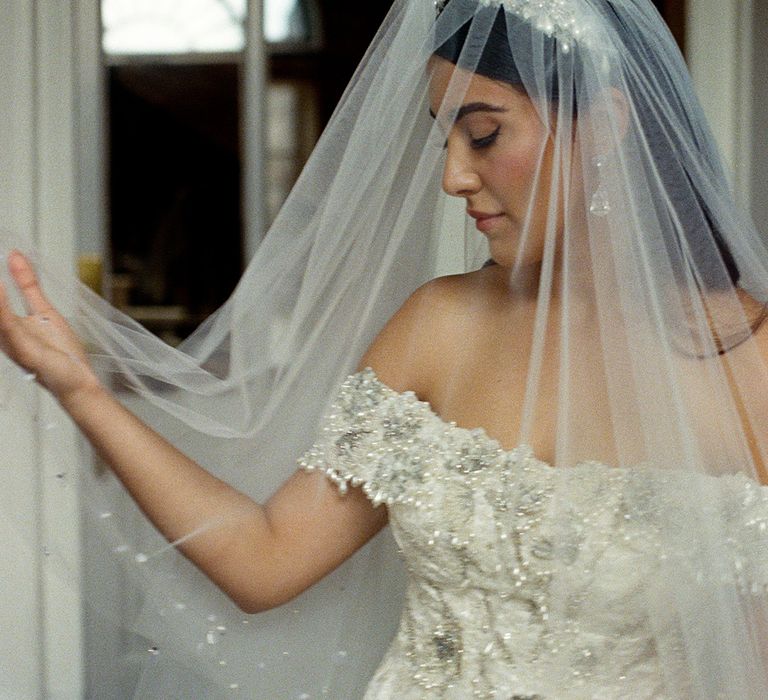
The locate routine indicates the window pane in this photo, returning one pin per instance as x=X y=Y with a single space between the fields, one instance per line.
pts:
x=285 y=21
x=173 y=26
x=191 y=26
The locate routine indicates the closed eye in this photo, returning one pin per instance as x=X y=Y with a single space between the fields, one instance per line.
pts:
x=481 y=142
x=485 y=141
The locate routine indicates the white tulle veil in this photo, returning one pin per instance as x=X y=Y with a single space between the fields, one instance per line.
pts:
x=644 y=352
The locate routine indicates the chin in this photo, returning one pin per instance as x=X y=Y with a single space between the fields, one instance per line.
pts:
x=502 y=253
x=502 y=260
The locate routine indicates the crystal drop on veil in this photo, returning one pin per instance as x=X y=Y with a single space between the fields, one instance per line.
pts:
x=600 y=206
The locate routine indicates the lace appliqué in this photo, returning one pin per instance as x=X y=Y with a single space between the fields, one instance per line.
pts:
x=367 y=441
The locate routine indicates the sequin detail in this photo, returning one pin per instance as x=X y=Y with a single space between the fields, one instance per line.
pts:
x=565 y=20
x=526 y=581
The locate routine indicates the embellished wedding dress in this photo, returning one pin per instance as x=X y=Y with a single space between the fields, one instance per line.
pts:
x=481 y=529
x=579 y=160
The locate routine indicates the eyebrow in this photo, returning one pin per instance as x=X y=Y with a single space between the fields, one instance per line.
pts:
x=471 y=108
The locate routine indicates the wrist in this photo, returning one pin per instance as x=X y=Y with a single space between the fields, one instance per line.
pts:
x=85 y=394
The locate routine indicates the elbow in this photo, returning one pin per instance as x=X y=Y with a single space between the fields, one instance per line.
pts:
x=253 y=602
x=257 y=585
x=251 y=605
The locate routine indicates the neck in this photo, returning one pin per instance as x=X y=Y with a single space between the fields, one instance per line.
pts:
x=572 y=277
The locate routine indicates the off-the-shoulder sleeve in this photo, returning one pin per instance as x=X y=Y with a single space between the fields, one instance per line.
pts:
x=371 y=439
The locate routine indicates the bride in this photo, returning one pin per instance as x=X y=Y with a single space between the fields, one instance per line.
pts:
x=566 y=434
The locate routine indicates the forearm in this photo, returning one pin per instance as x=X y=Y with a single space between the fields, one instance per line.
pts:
x=228 y=536
x=175 y=493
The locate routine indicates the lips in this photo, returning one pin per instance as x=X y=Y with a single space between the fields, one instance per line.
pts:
x=485 y=221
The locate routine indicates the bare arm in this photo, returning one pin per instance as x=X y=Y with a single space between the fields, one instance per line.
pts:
x=261 y=556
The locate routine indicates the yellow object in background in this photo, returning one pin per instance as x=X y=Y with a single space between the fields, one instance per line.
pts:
x=90 y=270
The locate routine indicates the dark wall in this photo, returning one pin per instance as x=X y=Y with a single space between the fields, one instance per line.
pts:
x=175 y=179
x=350 y=25
x=673 y=12
x=348 y=28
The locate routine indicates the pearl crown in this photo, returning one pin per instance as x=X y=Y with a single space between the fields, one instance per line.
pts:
x=560 y=19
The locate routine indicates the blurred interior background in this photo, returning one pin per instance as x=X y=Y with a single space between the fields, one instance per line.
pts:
x=175 y=85
x=173 y=75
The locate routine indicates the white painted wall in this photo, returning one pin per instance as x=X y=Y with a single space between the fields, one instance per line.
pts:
x=729 y=64
x=254 y=130
x=90 y=129
x=721 y=54
x=41 y=643
x=758 y=128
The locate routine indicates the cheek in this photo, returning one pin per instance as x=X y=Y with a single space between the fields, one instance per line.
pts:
x=515 y=171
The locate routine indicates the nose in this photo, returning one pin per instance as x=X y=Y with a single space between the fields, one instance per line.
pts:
x=459 y=177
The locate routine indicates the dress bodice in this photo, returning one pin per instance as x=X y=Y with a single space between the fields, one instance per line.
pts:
x=526 y=581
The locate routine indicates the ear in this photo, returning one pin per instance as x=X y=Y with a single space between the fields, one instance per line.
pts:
x=621 y=111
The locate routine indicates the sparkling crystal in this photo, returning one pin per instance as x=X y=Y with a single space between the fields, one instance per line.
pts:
x=600 y=206
x=543 y=549
x=566 y=21
x=483 y=603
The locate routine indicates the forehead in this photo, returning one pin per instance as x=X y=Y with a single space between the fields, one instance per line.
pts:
x=450 y=87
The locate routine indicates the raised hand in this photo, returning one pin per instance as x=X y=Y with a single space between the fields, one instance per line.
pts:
x=42 y=342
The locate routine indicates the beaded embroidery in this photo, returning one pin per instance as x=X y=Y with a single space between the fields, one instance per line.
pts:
x=482 y=531
x=560 y=19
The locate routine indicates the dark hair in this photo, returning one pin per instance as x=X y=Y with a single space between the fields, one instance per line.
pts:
x=495 y=60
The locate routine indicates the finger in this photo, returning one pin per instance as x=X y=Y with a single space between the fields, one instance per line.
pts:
x=6 y=313
x=7 y=320
x=26 y=280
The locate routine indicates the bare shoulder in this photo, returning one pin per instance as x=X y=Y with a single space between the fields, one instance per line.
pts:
x=406 y=354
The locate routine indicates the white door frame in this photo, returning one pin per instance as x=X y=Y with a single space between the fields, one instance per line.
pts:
x=40 y=614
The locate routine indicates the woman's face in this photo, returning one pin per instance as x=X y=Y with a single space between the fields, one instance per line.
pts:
x=498 y=158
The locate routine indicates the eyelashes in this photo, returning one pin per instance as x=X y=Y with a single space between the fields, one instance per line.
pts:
x=479 y=143
x=485 y=141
